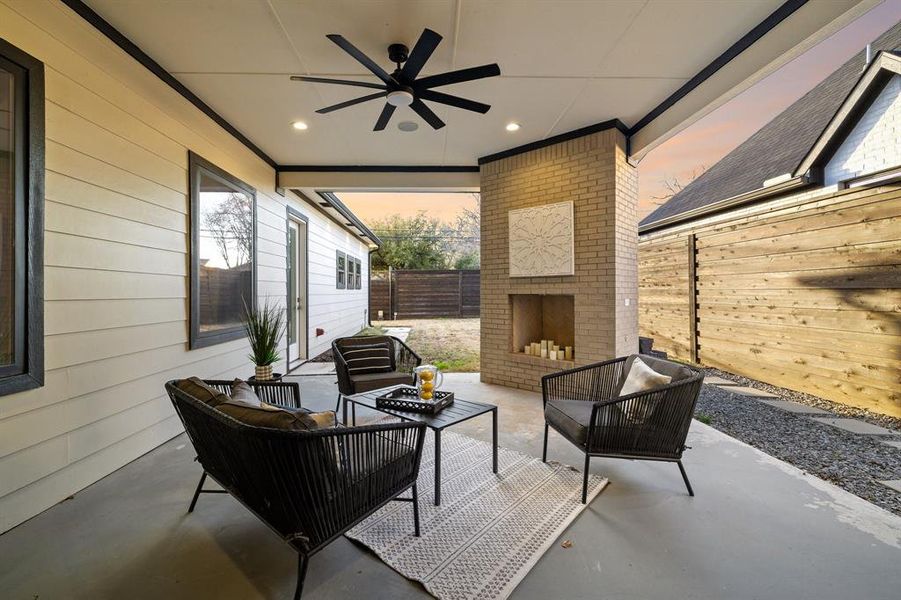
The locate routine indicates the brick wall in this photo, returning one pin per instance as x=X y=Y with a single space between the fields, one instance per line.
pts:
x=592 y=172
x=873 y=144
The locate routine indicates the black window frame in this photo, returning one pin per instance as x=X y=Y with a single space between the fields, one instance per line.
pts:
x=340 y=270
x=27 y=370
x=358 y=283
x=196 y=165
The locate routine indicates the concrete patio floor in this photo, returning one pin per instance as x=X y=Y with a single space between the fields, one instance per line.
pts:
x=758 y=528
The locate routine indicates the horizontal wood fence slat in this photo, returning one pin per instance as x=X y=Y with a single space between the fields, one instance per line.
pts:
x=804 y=294
x=424 y=294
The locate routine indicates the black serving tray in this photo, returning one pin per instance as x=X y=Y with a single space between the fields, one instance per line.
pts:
x=406 y=399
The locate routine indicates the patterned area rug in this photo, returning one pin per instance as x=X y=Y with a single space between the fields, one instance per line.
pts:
x=489 y=531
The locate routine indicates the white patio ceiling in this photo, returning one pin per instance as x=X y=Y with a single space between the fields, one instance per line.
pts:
x=564 y=65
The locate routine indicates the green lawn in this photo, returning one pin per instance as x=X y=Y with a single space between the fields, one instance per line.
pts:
x=452 y=345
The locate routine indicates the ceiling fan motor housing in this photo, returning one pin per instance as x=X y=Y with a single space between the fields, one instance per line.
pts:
x=398 y=53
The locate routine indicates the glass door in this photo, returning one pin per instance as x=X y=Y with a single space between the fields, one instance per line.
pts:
x=297 y=291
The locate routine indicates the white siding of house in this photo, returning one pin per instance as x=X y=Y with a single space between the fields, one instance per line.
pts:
x=337 y=312
x=875 y=142
x=116 y=263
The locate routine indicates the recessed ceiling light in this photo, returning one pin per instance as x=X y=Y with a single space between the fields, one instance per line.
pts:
x=408 y=126
x=512 y=126
x=299 y=125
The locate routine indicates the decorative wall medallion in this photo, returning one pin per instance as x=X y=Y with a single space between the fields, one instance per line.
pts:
x=541 y=241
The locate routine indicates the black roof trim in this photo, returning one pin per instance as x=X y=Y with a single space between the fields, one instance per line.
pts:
x=376 y=169
x=563 y=137
x=345 y=212
x=762 y=28
x=132 y=49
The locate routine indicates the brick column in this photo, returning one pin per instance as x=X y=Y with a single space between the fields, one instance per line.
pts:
x=593 y=173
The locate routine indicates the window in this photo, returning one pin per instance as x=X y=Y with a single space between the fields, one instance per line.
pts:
x=340 y=270
x=351 y=272
x=223 y=252
x=21 y=220
x=359 y=282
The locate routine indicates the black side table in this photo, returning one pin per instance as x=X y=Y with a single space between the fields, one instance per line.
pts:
x=459 y=411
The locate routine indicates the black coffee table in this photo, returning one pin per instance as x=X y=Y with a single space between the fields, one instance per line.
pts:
x=459 y=411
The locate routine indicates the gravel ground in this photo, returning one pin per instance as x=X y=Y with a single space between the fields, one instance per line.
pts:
x=851 y=461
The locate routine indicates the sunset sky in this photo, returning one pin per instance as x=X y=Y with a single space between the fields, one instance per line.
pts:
x=700 y=145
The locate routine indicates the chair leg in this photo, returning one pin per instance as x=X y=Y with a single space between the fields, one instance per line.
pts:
x=585 y=479
x=415 y=511
x=302 y=562
x=197 y=492
x=544 y=452
x=685 y=477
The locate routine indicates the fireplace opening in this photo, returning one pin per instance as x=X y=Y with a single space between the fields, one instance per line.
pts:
x=543 y=325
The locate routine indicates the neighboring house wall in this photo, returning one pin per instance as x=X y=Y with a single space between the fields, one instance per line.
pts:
x=116 y=263
x=801 y=292
x=874 y=143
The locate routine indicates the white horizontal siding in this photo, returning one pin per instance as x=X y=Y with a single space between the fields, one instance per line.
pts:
x=337 y=312
x=874 y=143
x=116 y=263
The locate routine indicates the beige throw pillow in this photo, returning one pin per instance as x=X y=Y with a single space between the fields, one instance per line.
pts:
x=641 y=378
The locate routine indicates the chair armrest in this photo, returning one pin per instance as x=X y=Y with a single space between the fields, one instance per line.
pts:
x=279 y=393
x=657 y=420
x=406 y=358
x=590 y=383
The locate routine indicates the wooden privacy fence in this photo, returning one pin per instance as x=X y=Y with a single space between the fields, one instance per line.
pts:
x=804 y=295
x=433 y=293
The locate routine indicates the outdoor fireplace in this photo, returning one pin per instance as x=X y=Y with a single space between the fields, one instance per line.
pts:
x=547 y=319
x=559 y=247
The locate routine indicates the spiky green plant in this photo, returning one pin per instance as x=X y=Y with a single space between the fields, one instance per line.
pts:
x=265 y=327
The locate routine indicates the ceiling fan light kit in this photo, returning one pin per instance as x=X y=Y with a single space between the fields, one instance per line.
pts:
x=402 y=88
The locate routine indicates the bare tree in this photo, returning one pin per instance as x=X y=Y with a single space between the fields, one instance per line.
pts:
x=674 y=185
x=230 y=225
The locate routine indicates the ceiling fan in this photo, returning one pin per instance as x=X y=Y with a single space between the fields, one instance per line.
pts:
x=402 y=88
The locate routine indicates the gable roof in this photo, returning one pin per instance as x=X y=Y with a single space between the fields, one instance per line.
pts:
x=779 y=147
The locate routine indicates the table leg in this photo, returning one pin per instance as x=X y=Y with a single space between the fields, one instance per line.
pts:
x=494 y=436
x=437 y=467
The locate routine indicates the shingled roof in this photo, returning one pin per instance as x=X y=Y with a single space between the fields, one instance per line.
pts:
x=779 y=146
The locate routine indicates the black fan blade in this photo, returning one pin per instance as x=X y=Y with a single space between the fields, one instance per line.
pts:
x=421 y=53
x=454 y=101
x=426 y=113
x=384 y=117
x=361 y=58
x=460 y=76
x=360 y=100
x=375 y=86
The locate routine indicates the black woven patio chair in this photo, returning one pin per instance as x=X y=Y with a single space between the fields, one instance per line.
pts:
x=398 y=371
x=309 y=487
x=284 y=394
x=583 y=405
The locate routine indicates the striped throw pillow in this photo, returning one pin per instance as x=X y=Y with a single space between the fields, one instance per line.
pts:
x=368 y=358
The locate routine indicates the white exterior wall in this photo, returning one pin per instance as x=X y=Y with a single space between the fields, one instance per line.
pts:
x=116 y=263
x=338 y=312
x=875 y=142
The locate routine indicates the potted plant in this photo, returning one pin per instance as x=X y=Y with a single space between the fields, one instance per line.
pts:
x=265 y=327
